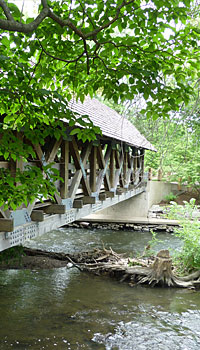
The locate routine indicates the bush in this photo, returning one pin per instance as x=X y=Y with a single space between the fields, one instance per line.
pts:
x=188 y=258
x=170 y=197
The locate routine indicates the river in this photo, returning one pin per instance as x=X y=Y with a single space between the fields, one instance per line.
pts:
x=65 y=309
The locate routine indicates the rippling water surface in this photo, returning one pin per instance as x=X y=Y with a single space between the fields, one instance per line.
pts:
x=65 y=309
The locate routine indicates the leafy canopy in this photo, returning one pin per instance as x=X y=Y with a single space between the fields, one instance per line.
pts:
x=121 y=48
x=74 y=48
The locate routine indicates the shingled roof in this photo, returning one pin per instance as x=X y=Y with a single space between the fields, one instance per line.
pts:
x=111 y=123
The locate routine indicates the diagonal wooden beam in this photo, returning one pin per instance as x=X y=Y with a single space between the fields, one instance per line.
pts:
x=38 y=151
x=50 y=158
x=5 y=213
x=79 y=173
x=134 y=164
x=112 y=168
x=43 y=161
x=142 y=164
x=80 y=165
x=93 y=167
x=119 y=165
x=125 y=167
x=64 y=169
x=103 y=164
x=130 y=169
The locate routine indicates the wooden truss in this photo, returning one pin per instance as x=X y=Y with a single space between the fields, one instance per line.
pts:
x=90 y=172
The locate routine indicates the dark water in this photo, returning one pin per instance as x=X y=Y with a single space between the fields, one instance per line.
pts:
x=65 y=309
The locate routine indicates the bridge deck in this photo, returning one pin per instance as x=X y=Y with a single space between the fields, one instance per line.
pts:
x=53 y=221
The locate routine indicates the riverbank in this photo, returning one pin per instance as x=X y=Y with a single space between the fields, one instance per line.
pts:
x=136 y=224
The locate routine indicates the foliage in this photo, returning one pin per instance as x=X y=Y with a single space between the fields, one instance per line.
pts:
x=177 y=141
x=71 y=49
x=188 y=258
x=12 y=254
x=120 y=48
x=30 y=185
x=170 y=197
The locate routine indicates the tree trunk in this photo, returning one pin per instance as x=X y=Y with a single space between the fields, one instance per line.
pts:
x=161 y=270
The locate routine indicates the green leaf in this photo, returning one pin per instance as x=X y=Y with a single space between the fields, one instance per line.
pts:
x=5 y=42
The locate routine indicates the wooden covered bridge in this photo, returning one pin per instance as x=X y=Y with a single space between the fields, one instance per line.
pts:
x=95 y=175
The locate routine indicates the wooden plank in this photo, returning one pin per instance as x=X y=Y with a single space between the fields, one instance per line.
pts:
x=119 y=191
x=102 y=196
x=4 y=164
x=89 y=200
x=130 y=170
x=103 y=164
x=80 y=166
x=125 y=167
x=6 y=225
x=135 y=165
x=64 y=169
x=30 y=206
x=37 y=215
x=55 y=209
x=38 y=151
x=93 y=168
x=5 y=213
x=119 y=165
x=50 y=158
x=42 y=204
x=112 y=168
x=79 y=174
x=109 y=194
x=142 y=165
x=78 y=203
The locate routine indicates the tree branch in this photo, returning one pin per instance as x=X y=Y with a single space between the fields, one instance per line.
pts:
x=106 y=25
x=11 y=25
x=6 y=10
x=58 y=58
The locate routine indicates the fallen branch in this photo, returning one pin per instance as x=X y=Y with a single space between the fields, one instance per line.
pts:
x=155 y=271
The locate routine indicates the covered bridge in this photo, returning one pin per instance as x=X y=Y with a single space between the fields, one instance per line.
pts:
x=95 y=174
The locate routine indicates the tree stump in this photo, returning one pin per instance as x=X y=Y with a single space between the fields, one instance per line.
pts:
x=161 y=270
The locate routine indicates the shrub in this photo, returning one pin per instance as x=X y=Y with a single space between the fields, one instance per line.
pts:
x=170 y=197
x=188 y=258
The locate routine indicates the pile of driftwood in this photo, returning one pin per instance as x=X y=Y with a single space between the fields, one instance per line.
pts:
x=152 y=271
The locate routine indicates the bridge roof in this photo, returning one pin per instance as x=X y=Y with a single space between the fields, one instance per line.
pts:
x=111 y=123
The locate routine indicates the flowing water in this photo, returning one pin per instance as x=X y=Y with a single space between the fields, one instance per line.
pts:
x=65 y=309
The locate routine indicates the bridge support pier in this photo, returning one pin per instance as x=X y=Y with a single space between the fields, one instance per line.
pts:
x=136 y=207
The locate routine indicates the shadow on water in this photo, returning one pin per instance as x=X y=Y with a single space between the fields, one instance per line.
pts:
x=65 y=309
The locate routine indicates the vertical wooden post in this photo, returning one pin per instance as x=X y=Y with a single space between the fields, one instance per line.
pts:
x=135 y=154
x=150 y=174
x=125 y=164
x=93 y=167
x=112 y=169
x=159 y=174
x=142 y=165
x=64 y=169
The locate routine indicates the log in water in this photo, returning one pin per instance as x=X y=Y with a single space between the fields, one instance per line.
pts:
x=151 y=271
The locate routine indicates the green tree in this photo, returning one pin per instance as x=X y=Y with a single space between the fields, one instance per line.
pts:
x=177 y=140
x=120 y=48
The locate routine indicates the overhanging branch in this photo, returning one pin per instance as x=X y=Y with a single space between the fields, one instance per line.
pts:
x=12 y=25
